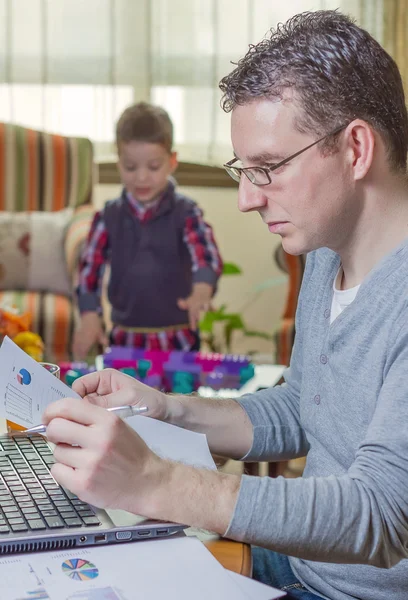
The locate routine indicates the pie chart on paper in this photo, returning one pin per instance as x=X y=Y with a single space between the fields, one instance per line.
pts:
x=79 y=569
x=23 y=377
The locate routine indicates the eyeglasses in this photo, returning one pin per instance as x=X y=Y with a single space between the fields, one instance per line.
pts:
x=261 y=175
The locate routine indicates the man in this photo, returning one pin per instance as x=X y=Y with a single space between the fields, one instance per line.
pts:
x=319 y=130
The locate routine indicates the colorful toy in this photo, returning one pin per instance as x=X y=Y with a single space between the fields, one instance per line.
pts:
x=177 y=372
x=70 y=371
x=180 y=372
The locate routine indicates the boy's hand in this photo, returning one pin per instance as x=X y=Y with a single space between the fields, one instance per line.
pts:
x=89 y=332
x=197 y=302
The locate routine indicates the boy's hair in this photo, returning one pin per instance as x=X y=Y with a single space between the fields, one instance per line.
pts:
x=144 y=122
x=337 y=71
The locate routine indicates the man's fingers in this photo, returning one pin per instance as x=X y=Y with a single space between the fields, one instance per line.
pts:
x=119 y=398
x=71 y=456
x=73 y=409
x=65 y=476
x=98 y=382
x=95 y=398
x=67 y=432
x=88 y=384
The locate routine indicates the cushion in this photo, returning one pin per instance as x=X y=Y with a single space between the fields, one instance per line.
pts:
x=32 y=253
x=14 y=250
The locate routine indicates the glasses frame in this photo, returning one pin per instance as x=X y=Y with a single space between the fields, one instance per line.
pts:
x=230 y=169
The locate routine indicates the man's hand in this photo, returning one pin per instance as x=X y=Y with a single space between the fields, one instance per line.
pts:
x=109 y=388
x=197 y=302
x=89 y=332
x=228 y=428
x=100 y=458
x=104 y=462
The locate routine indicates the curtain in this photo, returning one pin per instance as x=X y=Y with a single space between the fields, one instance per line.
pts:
x=72 y=66
x=396 y=33
x=193 y=45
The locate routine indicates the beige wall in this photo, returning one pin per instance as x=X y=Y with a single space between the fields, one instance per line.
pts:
x=242 y=239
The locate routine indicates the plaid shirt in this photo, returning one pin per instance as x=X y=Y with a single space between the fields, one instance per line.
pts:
x=199 y=239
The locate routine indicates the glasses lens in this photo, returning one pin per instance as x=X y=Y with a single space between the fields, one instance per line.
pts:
x=257 y=176
x=234 y=173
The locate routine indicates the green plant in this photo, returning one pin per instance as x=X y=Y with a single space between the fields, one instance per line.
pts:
x=233 y=321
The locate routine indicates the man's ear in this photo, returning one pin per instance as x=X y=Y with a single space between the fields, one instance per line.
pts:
x=173 y=161
x=361 y=142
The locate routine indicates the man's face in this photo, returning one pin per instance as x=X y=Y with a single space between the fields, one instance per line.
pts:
x=144 y=168
x=309 y=201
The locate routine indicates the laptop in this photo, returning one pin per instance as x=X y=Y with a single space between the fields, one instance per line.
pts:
x=36 y=513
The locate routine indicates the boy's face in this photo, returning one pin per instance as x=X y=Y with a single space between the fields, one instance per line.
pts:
x=310 y=201
x=144 y=168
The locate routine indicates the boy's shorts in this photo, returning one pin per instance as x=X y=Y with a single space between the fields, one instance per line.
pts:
x=179 y=337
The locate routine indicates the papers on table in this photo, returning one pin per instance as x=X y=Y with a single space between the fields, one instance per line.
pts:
x=173 y=442
x=26 y=388
x=177 y=569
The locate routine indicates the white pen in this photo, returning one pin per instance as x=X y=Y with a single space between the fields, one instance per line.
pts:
x=124 y=412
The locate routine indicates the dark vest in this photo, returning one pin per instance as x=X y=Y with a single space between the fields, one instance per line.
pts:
x=150 y=263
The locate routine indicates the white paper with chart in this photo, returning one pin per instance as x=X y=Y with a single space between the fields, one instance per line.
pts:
x=175 y=569
x=26 y=388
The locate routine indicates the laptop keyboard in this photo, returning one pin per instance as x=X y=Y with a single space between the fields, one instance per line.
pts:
x=30 y=498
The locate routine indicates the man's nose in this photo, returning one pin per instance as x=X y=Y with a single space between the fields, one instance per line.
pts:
x=250 y=196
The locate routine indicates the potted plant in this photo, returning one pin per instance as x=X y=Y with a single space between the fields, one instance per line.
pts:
x=233 y=321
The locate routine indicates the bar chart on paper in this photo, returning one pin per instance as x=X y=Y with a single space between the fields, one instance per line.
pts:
x=105 y=593
x=38 y=594
x=18 y=403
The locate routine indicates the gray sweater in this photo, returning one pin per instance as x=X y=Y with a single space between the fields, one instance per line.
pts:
x=345 y=405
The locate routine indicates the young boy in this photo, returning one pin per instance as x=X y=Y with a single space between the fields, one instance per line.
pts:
x=163 y=257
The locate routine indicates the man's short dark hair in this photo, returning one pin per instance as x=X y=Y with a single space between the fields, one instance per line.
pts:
x=337 y=71
x=145 y=122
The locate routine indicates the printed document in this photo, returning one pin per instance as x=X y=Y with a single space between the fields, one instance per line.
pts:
x=177 y=569
x=26 y=388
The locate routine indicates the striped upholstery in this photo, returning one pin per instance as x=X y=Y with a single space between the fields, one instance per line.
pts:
x=52 y=318
x=285 y=335
x=42 y=171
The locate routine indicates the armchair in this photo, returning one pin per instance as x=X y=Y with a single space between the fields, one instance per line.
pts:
x=294 y=266
x=43 y=173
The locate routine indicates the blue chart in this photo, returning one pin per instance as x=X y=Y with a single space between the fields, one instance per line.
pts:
x=39 y=594
x=23 y=377
x=79 y=569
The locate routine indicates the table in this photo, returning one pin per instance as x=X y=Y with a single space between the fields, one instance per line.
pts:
x=234 y=556
x=265 y=376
